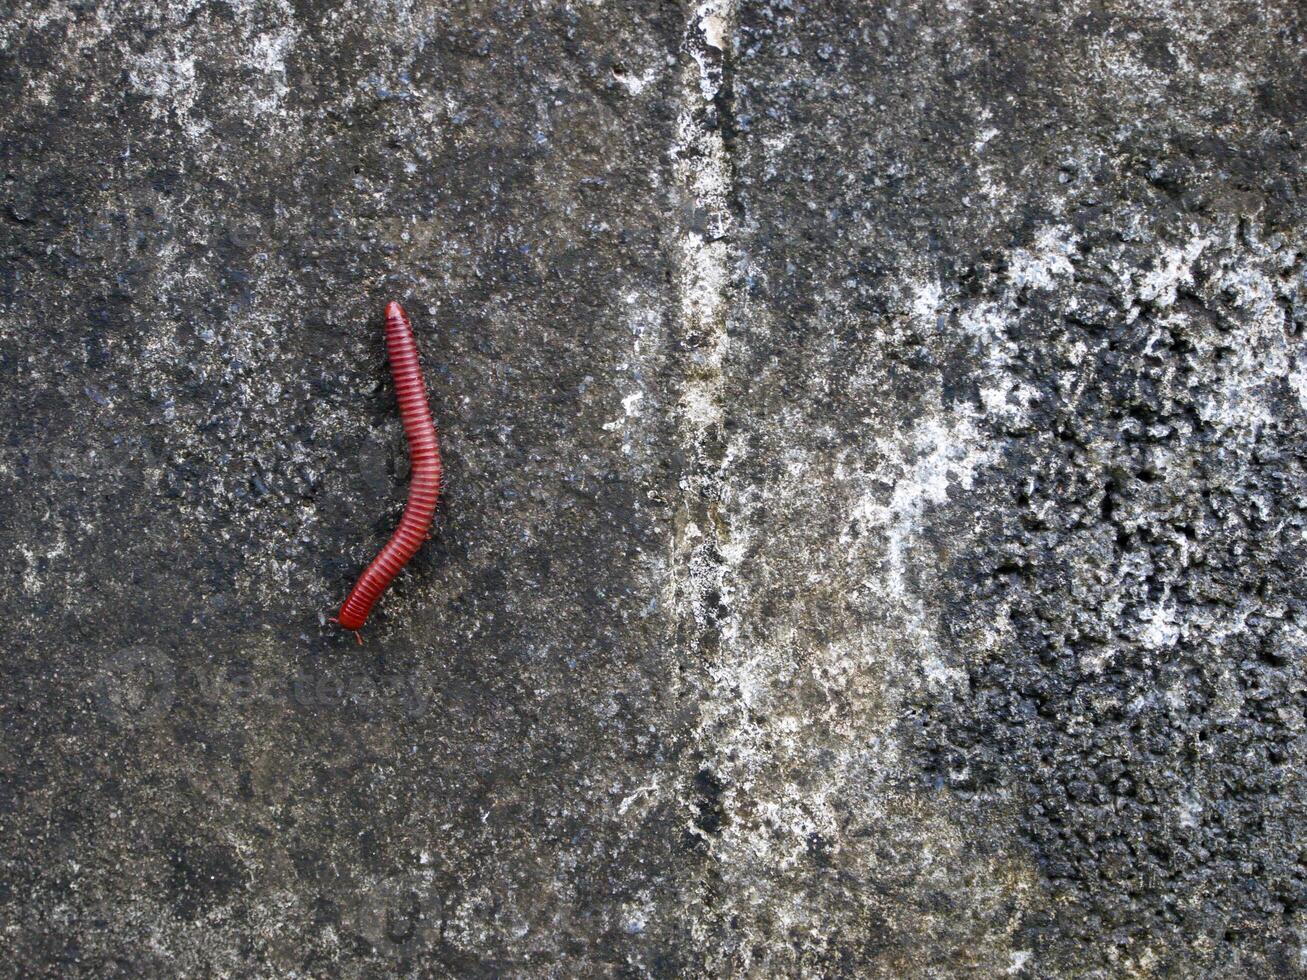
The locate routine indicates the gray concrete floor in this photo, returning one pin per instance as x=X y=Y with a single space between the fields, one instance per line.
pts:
x=874 y=532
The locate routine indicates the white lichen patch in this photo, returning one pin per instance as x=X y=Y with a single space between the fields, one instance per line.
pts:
x=939 y=455
x=1172 y=269
x=1160 y=627
x=268 y=54
x=636 y=82
x=167 y=77
x=1263 y=350
x=1046 y=262
x=1297 y=379
x=927 y=298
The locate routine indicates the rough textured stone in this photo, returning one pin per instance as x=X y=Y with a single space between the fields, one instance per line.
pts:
x=874 y=534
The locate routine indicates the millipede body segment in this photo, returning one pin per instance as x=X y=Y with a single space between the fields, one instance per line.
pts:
x=424 y=484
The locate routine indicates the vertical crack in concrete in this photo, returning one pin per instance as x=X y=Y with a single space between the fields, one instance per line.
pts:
x=704 y=178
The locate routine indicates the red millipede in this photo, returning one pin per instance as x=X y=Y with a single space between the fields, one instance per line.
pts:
x=424 y=484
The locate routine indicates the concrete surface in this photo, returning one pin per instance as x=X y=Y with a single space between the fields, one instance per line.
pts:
x=874 y=534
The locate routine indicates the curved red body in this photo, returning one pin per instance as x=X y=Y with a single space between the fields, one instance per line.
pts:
x=424 y=484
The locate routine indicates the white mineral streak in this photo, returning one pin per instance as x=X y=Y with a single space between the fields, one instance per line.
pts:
x=703 y=177
x=754 y=734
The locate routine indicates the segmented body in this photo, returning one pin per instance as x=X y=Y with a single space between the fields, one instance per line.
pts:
x=424 y=483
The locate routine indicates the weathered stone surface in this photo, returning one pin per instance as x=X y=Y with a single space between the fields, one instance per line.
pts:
x=874 y=535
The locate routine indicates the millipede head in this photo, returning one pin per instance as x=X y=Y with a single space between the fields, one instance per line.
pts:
x=349 y=621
